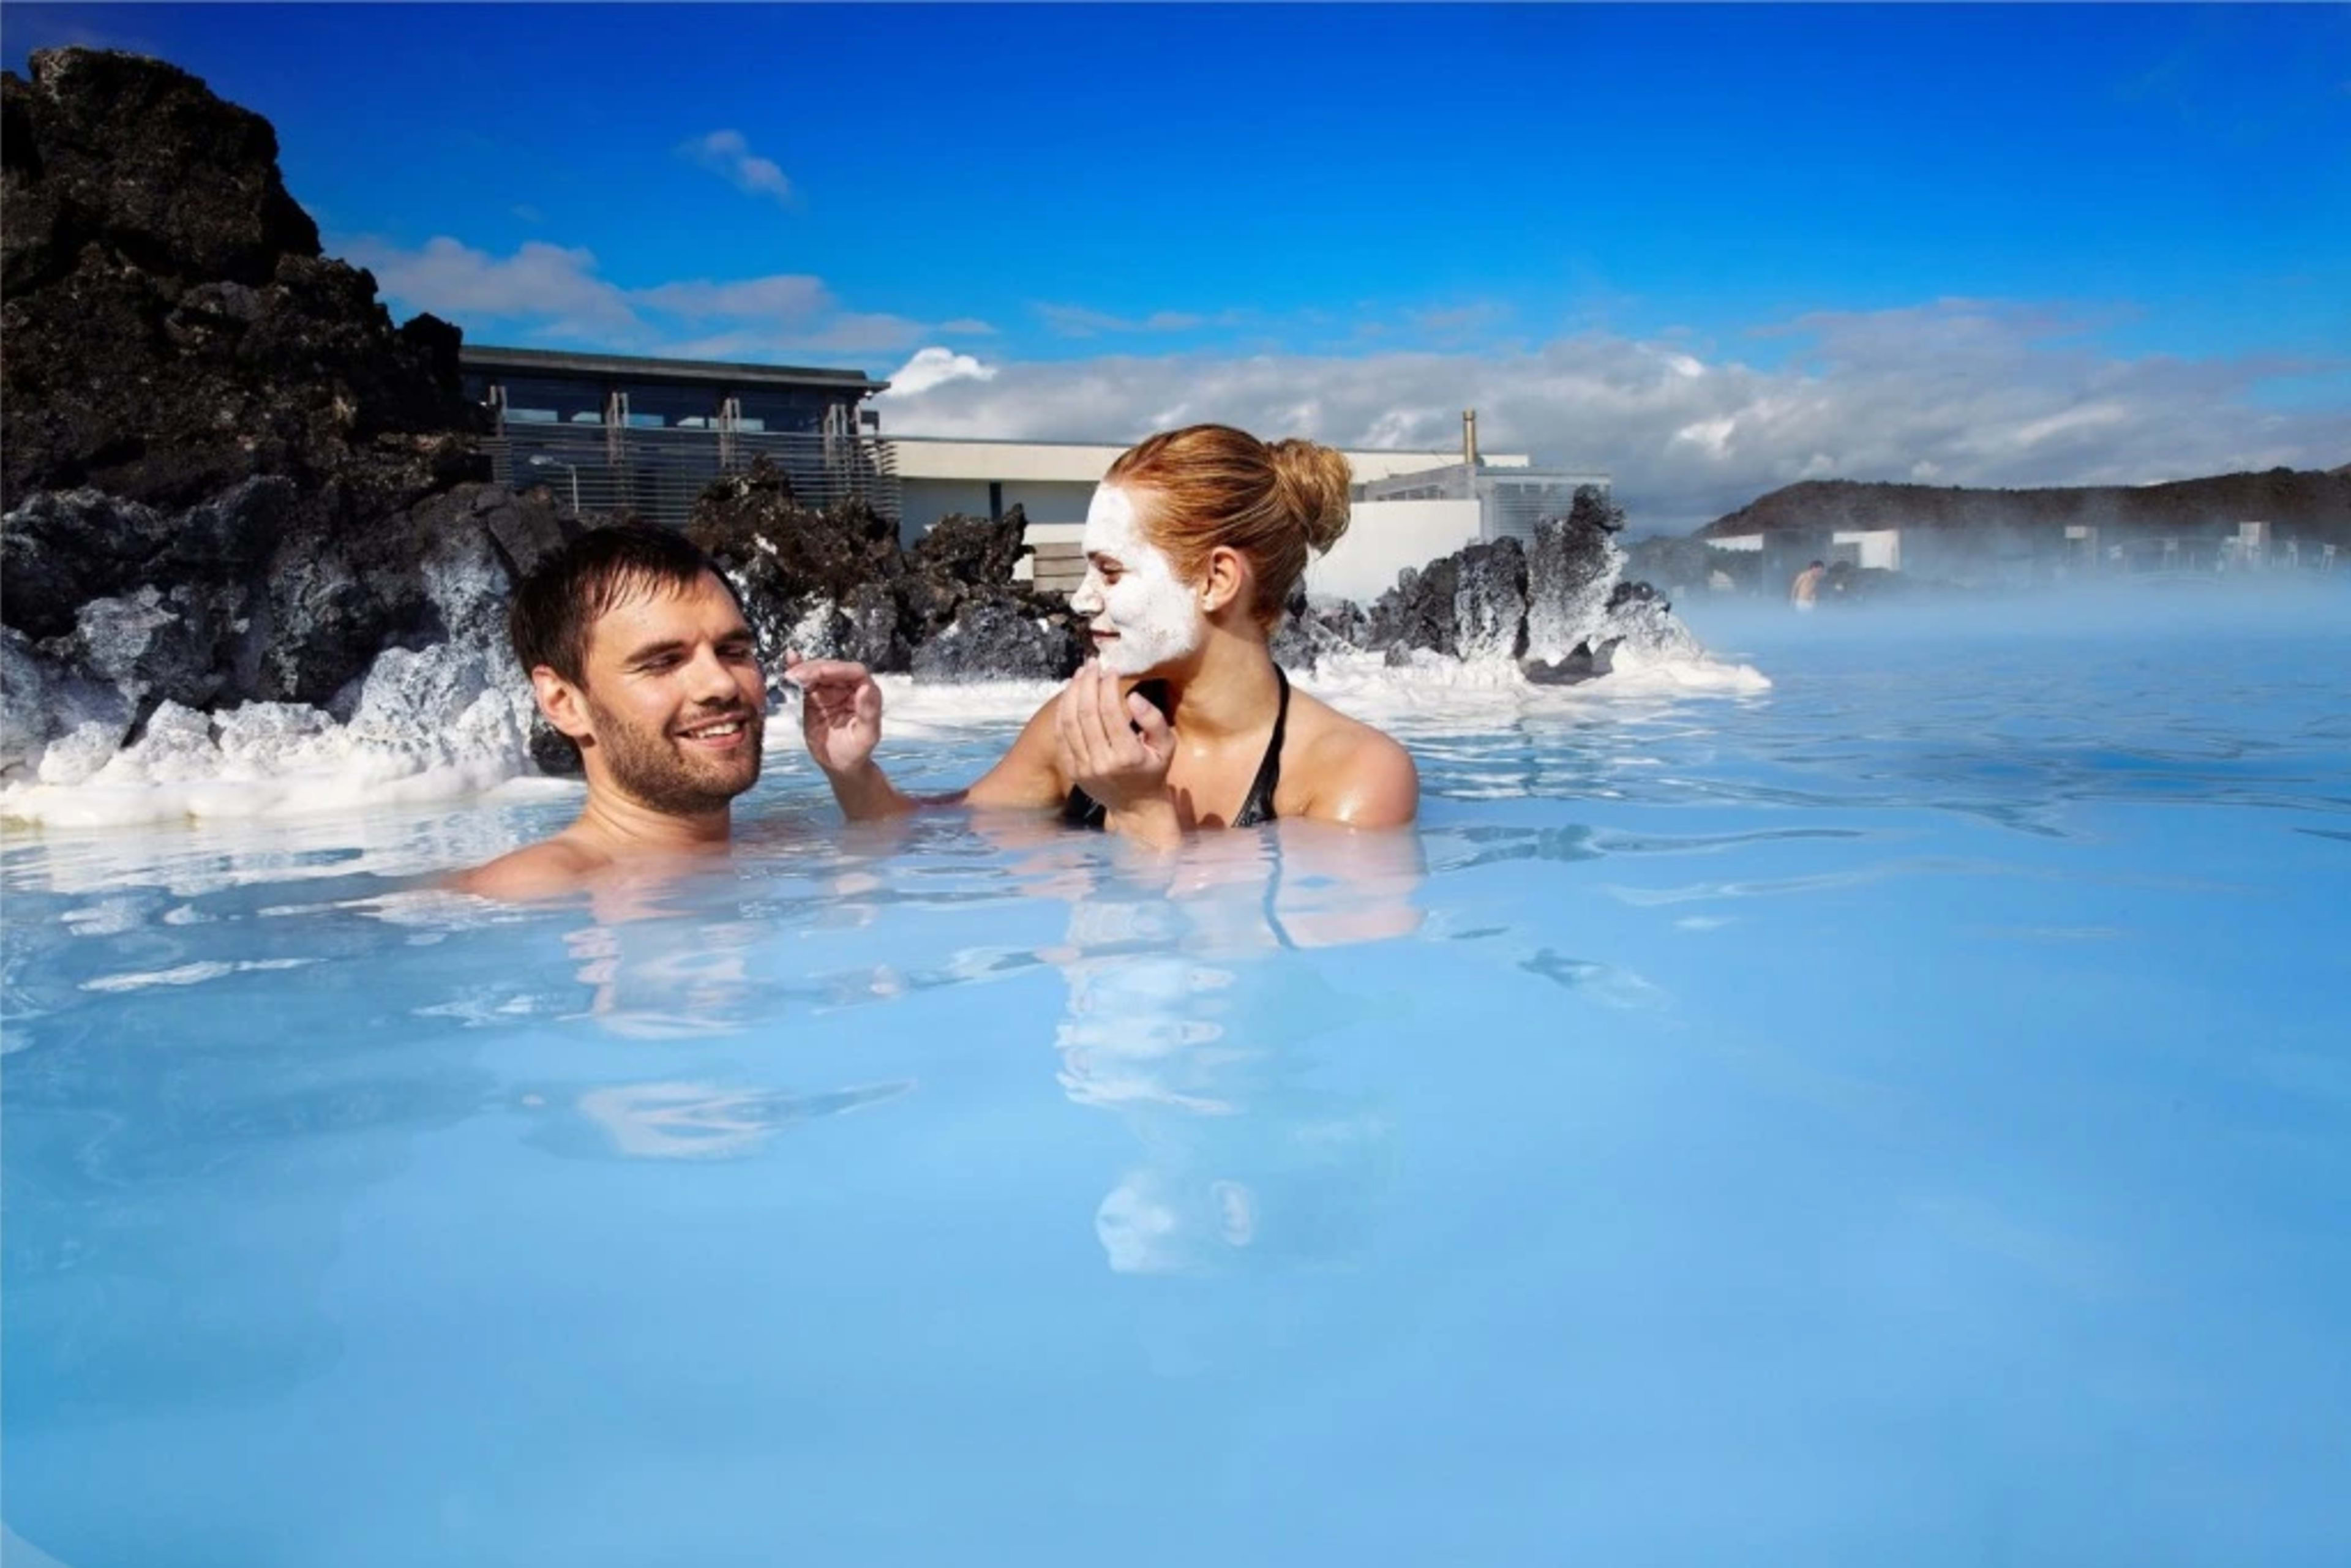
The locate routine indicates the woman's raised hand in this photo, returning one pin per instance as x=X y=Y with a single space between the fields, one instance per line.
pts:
x=1116 y=747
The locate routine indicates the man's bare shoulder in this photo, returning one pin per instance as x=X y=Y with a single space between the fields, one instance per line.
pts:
x=1353 y=773
x=549 y=870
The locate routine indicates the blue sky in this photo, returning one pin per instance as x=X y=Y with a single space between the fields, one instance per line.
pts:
x=1713 y=248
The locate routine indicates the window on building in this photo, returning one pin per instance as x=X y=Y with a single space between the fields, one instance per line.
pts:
x=553 y=400
x=784 y=410
x=655 y=406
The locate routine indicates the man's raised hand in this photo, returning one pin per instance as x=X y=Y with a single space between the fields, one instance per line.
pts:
x=840 y=711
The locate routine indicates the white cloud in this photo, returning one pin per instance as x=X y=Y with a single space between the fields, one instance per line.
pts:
x=548 y=293
x=845 y=332
x=1954 y=392
x=780 y=297
x=1082 y=321
x=552 y=286
x=934 y=367
x=1711 y=436
x=1964 y=391
x=727 y=152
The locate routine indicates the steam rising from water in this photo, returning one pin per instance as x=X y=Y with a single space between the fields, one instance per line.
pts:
x=429 y=730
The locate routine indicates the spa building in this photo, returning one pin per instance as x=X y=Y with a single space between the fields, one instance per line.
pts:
x=614 y=432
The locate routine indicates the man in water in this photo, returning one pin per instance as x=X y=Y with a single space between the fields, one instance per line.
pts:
x=638 y=651
x=1805 y=592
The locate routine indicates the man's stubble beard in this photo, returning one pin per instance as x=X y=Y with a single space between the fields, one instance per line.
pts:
x=651 y=768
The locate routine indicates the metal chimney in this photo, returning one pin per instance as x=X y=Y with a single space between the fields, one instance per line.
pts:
x=1469 y=438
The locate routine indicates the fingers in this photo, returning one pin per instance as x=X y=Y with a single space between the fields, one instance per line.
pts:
x=837 y=691
x=1109 y=715
x=1157 y=736
x=807 y=673
x=1109 y=708
x=1091 y=752
x=1118 y=718
x=1085 y=721
x=1102 y=733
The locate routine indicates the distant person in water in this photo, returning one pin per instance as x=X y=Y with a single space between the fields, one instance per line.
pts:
x=638 y=651
x=1181 y=720
x=1805 y=592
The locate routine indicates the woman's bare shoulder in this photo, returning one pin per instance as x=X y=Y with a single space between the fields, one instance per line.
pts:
x=1351 y=772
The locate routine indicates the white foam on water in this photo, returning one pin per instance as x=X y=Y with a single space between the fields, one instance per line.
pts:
x=433 y=727
x=1483 y=693
x=930 y=710
x=189 y=974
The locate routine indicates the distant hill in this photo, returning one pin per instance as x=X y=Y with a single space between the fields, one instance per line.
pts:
x=2297 y=504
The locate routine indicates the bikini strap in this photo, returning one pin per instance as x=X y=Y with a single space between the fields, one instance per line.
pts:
x=1258 y=806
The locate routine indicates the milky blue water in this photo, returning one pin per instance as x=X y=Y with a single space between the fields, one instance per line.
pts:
x=1901 y=1117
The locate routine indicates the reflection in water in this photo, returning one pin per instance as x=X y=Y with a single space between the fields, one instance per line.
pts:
x=171 y=1140
x=203 y=1080
x=1604 y=983
x=665 y=979
x=684 y=1121
x=1187 y=1003
x=289 y=1240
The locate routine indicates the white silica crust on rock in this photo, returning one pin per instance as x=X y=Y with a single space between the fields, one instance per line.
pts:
x=439 y=723
x=1565 y=608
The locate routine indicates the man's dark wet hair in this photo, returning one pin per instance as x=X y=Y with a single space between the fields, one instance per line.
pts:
x=560 y=602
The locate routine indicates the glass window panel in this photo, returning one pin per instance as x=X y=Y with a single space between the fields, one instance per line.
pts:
x=784 y=410
x=663 y=405
x=552 y=400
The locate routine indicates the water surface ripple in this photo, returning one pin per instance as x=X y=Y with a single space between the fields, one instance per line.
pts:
x=1901 y=1115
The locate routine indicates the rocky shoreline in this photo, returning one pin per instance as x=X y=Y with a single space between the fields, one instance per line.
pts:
x=244 y=508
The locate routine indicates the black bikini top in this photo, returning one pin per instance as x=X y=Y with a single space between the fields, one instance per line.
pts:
x=1083 y=810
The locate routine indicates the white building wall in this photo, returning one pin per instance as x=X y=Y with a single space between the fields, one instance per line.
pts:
x=1048 y=504
x=1383 y=538
x=922 y=502
x=1880 y=548
x=1053 y=480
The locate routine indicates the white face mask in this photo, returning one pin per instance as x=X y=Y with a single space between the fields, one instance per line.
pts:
x=1152 y=616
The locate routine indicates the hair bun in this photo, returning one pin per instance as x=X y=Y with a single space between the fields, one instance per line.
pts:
x=1314 y=482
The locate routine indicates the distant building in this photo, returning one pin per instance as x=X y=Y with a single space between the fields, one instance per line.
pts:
x=1410 y=519
x=1871 y=549
x=614 y=432
x=1051 y=481
x=619 y=434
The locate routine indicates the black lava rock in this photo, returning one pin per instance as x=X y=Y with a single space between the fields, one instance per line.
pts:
x=836 y=583
x=1419 y=611
x=1490 y=601
x=994 y=637
x=172 y=326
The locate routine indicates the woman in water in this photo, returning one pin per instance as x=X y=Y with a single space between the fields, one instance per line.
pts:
x=1181 y=720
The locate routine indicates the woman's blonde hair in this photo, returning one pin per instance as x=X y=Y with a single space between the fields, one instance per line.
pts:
x=1218 y=486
